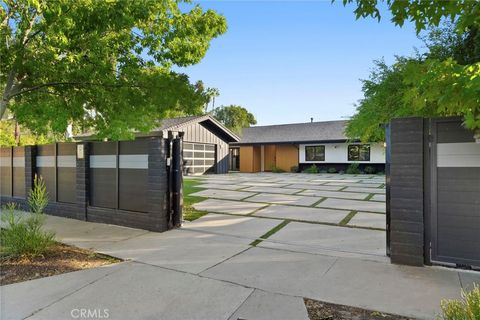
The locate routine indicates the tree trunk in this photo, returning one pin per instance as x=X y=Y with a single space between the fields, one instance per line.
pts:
x=17 y=133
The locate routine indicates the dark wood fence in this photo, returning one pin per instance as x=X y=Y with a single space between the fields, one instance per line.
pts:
x=120 y=182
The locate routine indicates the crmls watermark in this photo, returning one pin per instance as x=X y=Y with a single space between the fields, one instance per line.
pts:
x=87 y=313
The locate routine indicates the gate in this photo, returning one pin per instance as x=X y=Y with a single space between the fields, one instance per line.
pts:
x=452 y=194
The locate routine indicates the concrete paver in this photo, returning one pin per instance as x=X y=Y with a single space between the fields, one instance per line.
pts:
x=223 y=194
x=150 y=292
x=329 y=240
x=313 y=186
x=365 y=190
x=302 y=213
x=272 y=190
x=210 y=185
x=370 y=220
x=353 y=205
x=227 y=206
x=262 y=305
x=248 y=227
x=284 y=199
x=335 y=194
x=379 y=197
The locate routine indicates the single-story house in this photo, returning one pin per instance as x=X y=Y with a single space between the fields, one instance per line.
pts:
x=301 y=145
x=205 y=142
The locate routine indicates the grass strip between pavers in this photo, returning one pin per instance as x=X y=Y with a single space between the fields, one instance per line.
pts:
x=348 y=218
x=370 y=196
x=270 y=233
x=189 y=187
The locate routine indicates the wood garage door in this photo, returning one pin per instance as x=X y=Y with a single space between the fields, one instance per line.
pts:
x=198 y=158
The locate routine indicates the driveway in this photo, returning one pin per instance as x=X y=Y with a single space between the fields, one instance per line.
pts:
x=269 y=241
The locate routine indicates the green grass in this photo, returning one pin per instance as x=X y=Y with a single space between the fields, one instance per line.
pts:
x=270 y=232
x=347 y=218
x=189 y=187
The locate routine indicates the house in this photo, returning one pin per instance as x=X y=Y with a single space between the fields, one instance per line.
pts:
x=301 y=145
x=205 y=142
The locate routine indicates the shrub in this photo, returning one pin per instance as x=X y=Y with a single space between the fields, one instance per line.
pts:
x=294 y=169
x=369 y=170
x=276 y=169
x=23 y=235
x=332 y=170
x=353 y=169
x=312 y=169
x=468 y=307
x=38 y=196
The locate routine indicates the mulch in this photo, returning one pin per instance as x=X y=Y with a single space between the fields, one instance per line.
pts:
x=318 y=310
x=59 y=259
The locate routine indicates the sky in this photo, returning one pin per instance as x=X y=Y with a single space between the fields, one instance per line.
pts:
x=289 y=61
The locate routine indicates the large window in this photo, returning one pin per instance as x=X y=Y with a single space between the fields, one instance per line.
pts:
x=315 y=153
x=359 y=152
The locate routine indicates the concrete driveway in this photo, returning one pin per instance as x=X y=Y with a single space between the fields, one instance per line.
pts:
x=230 y=264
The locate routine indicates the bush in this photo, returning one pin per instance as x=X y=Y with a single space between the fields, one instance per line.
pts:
x=369 y=170
x=276 y=169
x=353 y=169
x=312 y=169
x=23 y=235
x=294 y=169
x=332 y=170
x=466 y=308
x=38 y=196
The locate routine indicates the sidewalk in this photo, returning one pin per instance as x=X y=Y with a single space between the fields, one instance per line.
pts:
x=205 y=274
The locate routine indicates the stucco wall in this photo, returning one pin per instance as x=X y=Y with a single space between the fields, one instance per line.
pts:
x=337 y=153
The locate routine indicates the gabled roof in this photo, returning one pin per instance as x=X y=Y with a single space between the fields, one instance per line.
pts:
x=176 y=124
x=324 y=131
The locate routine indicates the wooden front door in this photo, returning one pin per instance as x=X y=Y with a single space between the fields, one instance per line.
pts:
x=269 y=157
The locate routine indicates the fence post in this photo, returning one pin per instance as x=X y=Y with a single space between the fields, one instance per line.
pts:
x=157 y=183
x=30 y=168
x=177 y=180
x=82 y=177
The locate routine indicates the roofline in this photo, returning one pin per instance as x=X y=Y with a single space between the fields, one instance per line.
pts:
x=297 y=123
x=296 y=142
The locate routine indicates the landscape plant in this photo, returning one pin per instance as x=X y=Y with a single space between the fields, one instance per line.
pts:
x=465 y=308
x=294 y=169
x=276 y=169
x=353 y=168
x=38 y=196
x=331 y=170
x=312 y=169
x=369 y=170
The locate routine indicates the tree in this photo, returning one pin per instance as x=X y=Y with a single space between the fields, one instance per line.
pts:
x=211 y=93
x=447 y=80
x=104 y=64
x=234 y=117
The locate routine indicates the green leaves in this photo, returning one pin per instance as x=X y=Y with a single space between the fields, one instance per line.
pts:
x=234 y=117
x=101 y=65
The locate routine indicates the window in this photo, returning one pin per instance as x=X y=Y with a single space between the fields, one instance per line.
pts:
x=315 y=153
x=359 y=152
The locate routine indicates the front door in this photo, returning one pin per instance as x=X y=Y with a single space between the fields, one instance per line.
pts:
x=269 y=157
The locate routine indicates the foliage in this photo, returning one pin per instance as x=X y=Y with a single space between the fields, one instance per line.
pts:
x=332 y=170
x=105 y=65
x=467 y=308
x=445 y=81
x=312 y=169
x=276 y=169
x=38 y=196
x=23 y=235
x=353 y=168
x=7 y=136
x=234 y=117
x=369 y=170
x=423 y=14
x=294 y=169
x=189 y=212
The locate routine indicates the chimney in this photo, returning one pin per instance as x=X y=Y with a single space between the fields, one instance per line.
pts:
x=311 y=119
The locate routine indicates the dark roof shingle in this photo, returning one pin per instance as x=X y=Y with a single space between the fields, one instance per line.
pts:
x=296 y=132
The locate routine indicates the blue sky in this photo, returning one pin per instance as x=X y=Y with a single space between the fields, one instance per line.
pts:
x=287 y=61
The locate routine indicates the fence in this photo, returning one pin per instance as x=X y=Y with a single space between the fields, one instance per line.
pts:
x=434 y=193
x=121 y=182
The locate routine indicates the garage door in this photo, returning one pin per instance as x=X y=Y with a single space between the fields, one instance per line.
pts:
x=198 y=158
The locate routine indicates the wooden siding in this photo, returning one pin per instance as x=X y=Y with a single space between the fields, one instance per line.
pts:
x=257 y=159
x=246 y=159
x=269 y=157
x=198 y=133
x=286 y=156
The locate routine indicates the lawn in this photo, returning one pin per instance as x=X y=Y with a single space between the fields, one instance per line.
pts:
x=189 y=187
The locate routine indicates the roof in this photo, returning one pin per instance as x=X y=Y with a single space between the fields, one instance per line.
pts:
x=176 y=124
x=296 y=132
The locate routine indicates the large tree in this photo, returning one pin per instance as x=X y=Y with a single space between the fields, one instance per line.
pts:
x=448 y=78
x=234 y=117
x=104 y=64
